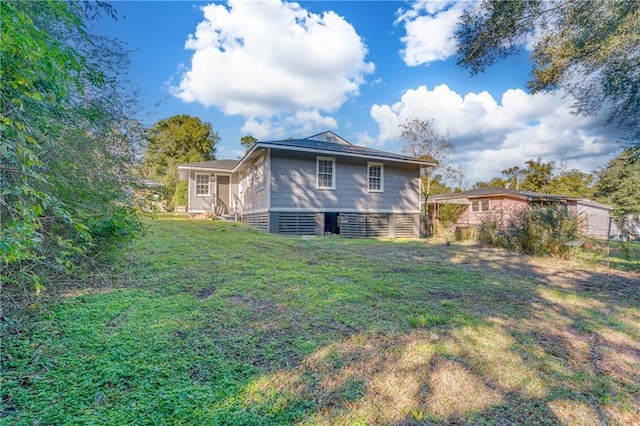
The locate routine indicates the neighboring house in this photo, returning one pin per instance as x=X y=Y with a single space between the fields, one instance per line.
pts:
x=313 y=186
x=501 y=203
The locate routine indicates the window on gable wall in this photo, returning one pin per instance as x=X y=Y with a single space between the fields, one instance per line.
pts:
x=375 y=176
x=202 y=185
x=479 y=206
x=325 y=173
x=240 y=182
x=258 y=174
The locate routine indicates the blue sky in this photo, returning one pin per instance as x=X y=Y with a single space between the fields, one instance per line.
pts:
x=275 y=69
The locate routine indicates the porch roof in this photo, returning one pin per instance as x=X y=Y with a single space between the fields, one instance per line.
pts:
x=207 y=166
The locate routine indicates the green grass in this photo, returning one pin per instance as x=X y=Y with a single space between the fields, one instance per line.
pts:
x=215 y=323
x=624 y=256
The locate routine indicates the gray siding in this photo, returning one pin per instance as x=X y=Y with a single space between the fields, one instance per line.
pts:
x=293 y=186
x=233 y=187
x=199 y=203
x=595 y=220
x=253 y=200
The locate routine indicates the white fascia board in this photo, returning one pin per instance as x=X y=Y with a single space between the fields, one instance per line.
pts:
x=201 y=169
x=206 y=169
x=247 y=155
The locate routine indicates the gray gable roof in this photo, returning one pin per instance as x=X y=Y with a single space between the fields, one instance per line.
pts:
x=490 y=191
x=329 y=136
x=334 y=145
x=464 y=197
x=213 y=164
x=339 y=148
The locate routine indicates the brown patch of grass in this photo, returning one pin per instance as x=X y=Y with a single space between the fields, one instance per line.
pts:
x=490 y=351
x=455 y=392
x=570 y=412
x=618 y=356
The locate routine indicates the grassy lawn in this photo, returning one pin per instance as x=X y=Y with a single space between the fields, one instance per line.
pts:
x=624 y=256
x=216 y=323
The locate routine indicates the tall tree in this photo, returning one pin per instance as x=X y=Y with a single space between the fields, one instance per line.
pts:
x=514 y=176
x=619 y=183
x=248 y=142
x=176 y=140
x=537 y=176
x=496 y=182
x=68 y=144
x=574 y=183
x=420 y=139
x=438 y=186
x=589 y=48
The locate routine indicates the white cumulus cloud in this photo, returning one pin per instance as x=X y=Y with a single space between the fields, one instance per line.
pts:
x=270 y=60
x=430 y=27
x=491 y=135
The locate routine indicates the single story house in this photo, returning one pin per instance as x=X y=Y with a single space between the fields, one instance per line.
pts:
x=500 y=203
x=318 y=185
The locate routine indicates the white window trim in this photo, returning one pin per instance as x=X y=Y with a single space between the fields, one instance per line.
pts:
x=369 y=164
x=258 y=187
x=240 y=182
x=333 y=173
x=479 y=201
x=208 y=194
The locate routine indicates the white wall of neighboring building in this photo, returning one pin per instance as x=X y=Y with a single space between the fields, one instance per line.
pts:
x=596 y=218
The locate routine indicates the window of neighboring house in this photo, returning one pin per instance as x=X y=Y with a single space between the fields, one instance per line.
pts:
x=258 y=174
x=479 y=206
x=203 y=188
x=375 y=176
x=325 y=173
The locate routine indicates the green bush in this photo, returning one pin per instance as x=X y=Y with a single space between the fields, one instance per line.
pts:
x=539 y=231
x=180 y=196
x=69 y=144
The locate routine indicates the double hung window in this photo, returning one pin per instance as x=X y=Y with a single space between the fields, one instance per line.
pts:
x=325 y=173
x=375 y=176
x=203 y=188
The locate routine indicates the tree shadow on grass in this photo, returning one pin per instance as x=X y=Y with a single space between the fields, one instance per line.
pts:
x=528 y=341
x=284 y=331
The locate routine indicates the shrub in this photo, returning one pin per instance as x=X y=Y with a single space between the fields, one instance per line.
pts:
x=539 y=231
x=181 y=194
x=68 y=143
x=448 y=214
